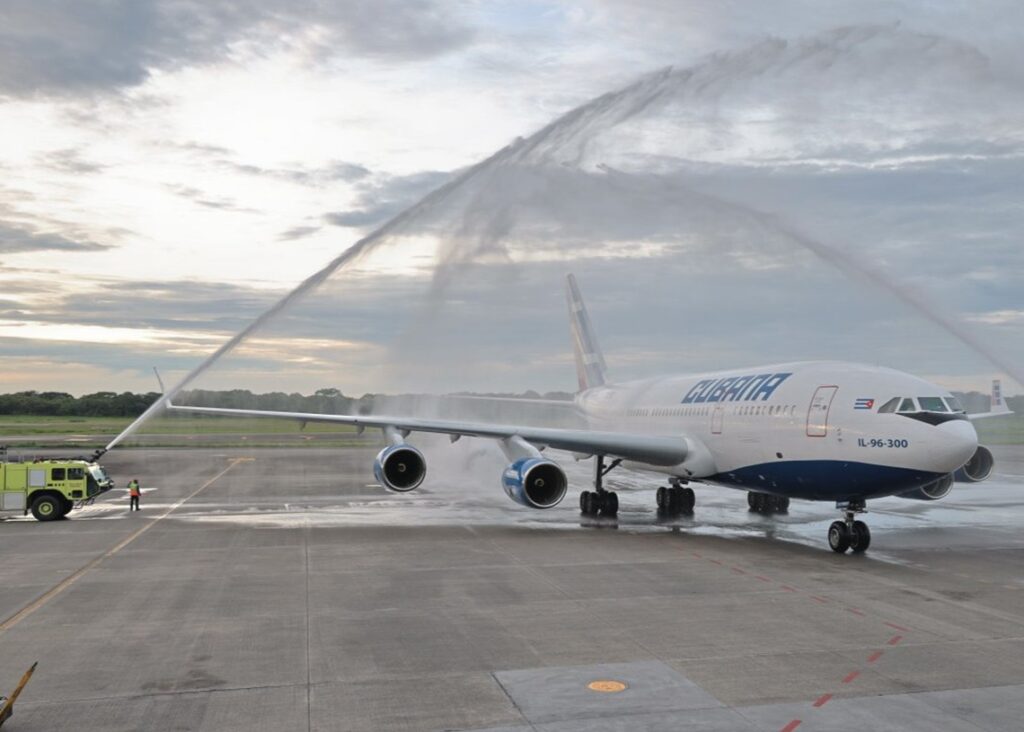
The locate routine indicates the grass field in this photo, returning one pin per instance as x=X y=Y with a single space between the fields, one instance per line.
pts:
x=40 y=432
x=33 y=425
x=1001 y=430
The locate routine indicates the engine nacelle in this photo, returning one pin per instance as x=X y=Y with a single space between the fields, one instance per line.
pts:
x=400 y=467
x=932 y=491
x=535 y=482
x=978 y=468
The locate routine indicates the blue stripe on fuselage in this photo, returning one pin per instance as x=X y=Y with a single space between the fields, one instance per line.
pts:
x=826 y=480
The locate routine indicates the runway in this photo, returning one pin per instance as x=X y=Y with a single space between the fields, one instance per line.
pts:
x=279 y=589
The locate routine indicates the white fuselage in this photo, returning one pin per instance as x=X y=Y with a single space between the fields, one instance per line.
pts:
x=807 y=430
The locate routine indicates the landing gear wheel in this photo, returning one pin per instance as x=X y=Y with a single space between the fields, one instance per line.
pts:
x=860 y=537
x=610 y=504
x=661 y=496
x=782 y=505
x=47 y=508
x=757 y=502
x=687 y=500
x=671 y=501
x=583 y=501
x=839 y=537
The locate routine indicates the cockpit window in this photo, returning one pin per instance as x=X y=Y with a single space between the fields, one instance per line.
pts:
x=889 y=406
x=908 y=405
x=954 y=404
x=932 y=404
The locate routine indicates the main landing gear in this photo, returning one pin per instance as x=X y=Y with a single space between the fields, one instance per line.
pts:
x=848 y=533
x=675 y=499
x=600 y=501
x=767 y=503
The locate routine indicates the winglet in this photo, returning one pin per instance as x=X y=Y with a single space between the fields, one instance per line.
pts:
x=163 y=389
x=590 y=365
x=998 y=404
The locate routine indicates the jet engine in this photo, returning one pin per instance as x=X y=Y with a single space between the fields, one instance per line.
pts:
x=978 y=468
x=400 y=467
x=932 y=491
x=534 y=482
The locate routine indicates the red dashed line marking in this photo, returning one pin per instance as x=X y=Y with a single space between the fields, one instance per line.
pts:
x=822 y=700
x=853 y=675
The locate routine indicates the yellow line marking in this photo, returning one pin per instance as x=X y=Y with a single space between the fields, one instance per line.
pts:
x=74 y=576
x=607 y=686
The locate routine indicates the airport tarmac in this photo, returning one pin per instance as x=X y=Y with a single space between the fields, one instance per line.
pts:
x=279 y=589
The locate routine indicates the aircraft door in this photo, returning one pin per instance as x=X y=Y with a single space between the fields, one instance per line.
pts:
x=717 y=417
x=817 y=412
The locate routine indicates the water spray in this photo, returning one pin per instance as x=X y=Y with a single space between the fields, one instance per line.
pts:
x=566 y=141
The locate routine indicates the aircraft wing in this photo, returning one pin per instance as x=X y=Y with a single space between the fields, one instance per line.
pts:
x=651 y=449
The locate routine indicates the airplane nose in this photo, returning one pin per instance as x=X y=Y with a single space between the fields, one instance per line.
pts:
x=958 y=444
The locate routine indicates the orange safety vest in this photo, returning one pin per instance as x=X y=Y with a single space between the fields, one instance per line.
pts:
x=133 y=489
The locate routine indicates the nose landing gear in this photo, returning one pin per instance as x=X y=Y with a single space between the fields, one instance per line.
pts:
x=849 y=533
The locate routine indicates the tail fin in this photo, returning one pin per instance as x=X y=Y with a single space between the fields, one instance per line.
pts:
x=590 y=366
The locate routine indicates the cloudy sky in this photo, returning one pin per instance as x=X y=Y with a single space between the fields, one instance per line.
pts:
x=170 y=168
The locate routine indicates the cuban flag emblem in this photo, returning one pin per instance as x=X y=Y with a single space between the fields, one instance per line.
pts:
x=864 y=404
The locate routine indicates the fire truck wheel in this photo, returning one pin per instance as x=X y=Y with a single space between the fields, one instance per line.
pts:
x=47 y=507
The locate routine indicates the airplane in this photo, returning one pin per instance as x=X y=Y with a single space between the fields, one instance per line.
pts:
x=816 y=430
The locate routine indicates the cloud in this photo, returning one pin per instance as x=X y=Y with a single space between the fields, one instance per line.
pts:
x=206 y=199
x=16 y=238
x=69 y=160
x=298 y=232
x=330 y=173
x=62 y=46
x=381 y=199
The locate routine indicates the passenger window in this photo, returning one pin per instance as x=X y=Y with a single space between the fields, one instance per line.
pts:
x=76 y=473
x=57 y=474
x=908 y=406
x=889 y=406
x=932 y=404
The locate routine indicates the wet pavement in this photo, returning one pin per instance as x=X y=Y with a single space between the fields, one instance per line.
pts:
x=281 y=589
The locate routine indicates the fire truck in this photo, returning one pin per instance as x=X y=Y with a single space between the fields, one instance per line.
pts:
x=50 y=488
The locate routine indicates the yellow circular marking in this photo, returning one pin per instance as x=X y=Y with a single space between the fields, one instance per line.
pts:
x=606 y=686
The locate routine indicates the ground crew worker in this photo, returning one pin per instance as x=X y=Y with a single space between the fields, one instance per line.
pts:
x=134 y=493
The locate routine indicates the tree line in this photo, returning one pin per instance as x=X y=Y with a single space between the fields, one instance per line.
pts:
x=127 y=404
